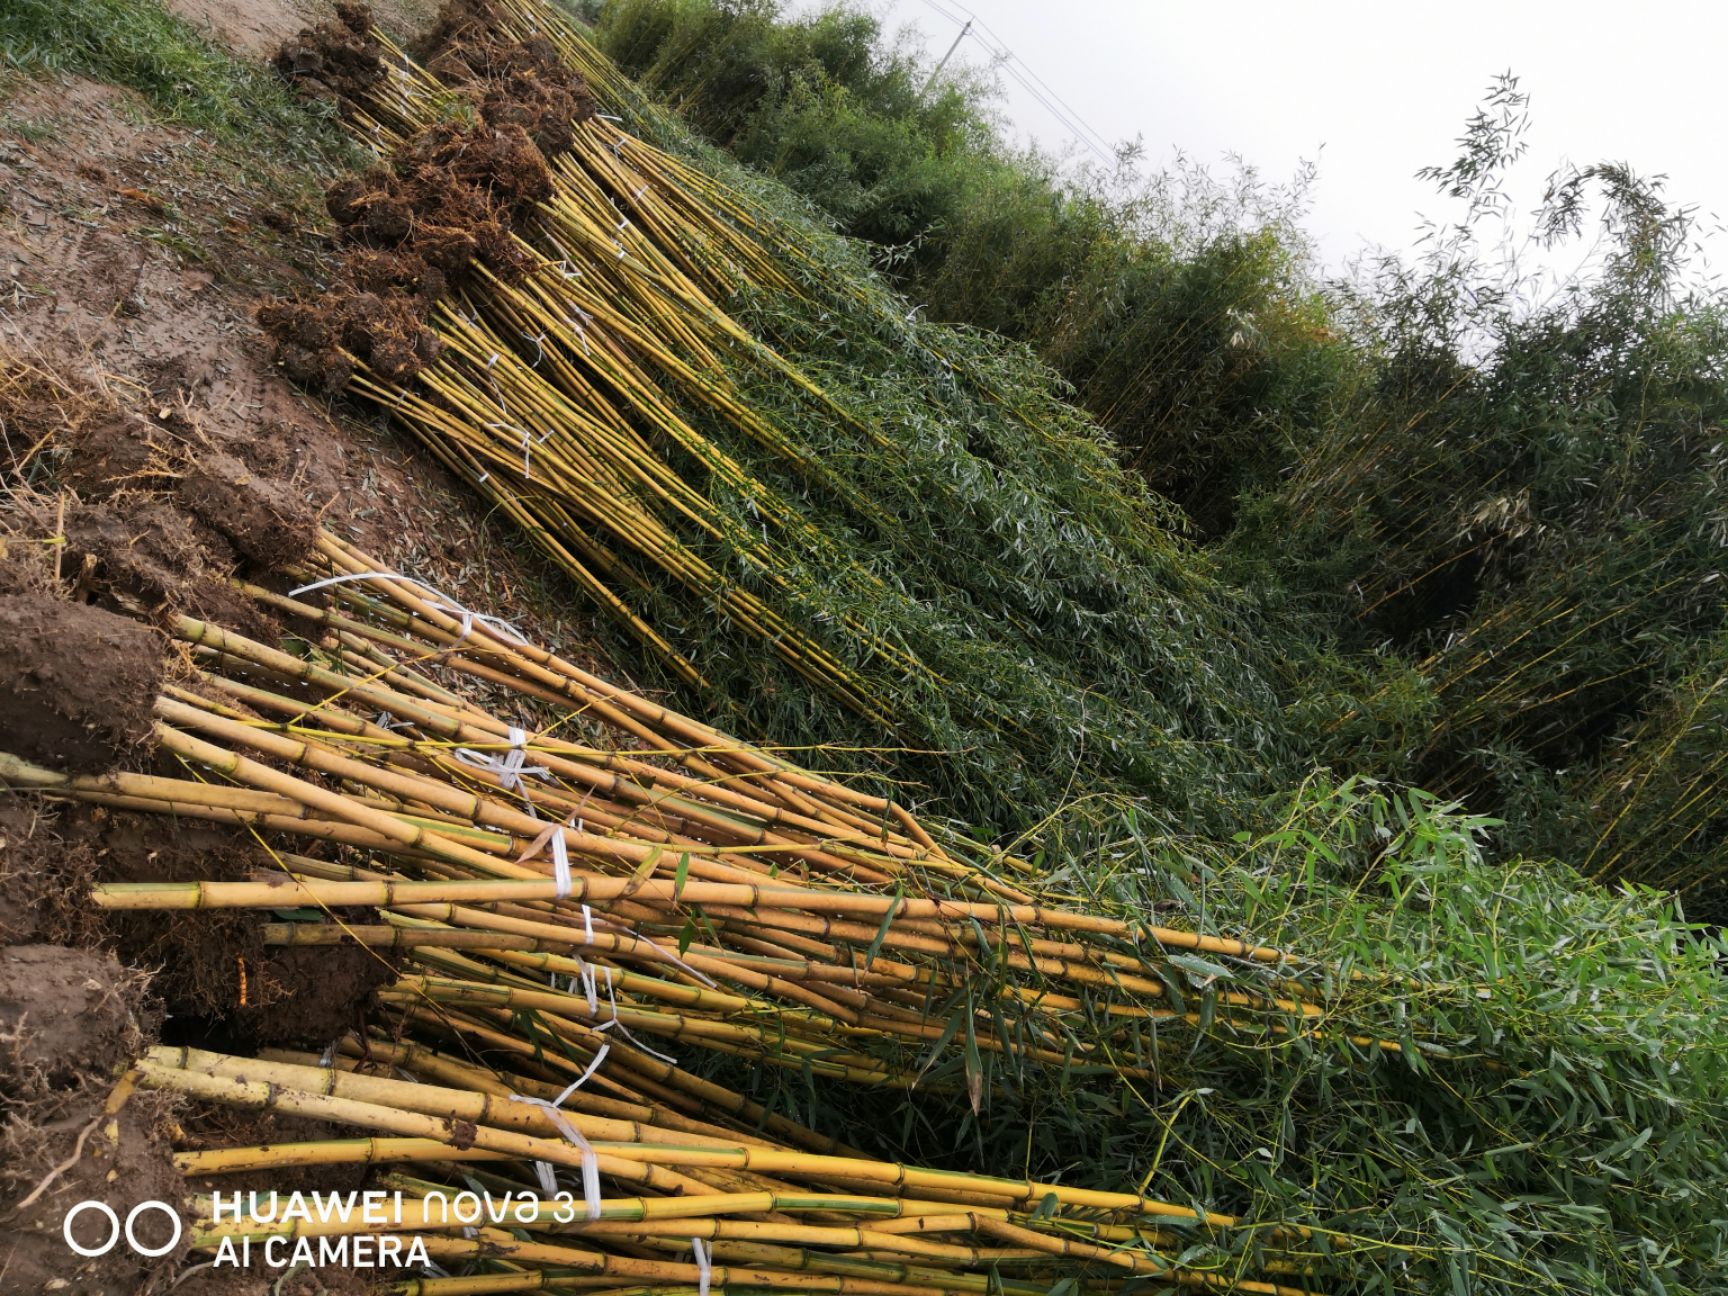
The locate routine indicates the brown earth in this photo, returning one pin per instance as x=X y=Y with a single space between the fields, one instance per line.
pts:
x=76 y=683
x=71 y=1020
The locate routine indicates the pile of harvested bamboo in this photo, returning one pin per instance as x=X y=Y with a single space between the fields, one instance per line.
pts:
x=556 y=395
x=623 y=393
x=579 y=902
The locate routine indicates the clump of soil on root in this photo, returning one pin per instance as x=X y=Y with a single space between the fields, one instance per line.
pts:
x=522 y=84
x=64 y=1014
x=118 y=451
x=94 y=447
x=44 y=879
x=76 y=683
x=337 y=62
x=314 y=340
x=140 y=555
x=414 y=232
x=446 y=203
x=267 y=523
x=70 y=1023
x=415 y=229
x=211 y=968
x=502 y=163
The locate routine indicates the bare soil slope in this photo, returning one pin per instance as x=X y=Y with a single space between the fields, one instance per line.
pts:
x=150 y=451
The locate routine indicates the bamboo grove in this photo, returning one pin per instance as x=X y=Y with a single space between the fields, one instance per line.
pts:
x=1178 y=1012
x=1488 y=465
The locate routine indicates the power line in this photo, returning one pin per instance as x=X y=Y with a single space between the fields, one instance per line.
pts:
x=1047 y=98
x=948 y=14
x=951 y=17
x=1072 y=112
x=1104 y=155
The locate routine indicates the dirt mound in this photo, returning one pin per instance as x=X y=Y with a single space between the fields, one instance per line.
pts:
x=76 y=683
x=266 y=522
x=26 y=564
x=459 y=23
x=318 y=993
x=414 y=232
x=97 y=447
x=372 y=270
x=338 y=63
x=415 y=229
x=523 y=84
x=248 y=498
x=64 y=1014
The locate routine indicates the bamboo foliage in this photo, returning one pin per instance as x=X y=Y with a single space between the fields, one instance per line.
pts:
x=688 y=404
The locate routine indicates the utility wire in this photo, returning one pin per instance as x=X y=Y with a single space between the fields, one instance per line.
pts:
x=1041 y=93
x=1072 y=113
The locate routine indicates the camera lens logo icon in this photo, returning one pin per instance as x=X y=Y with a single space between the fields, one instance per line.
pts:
x=117 y=1230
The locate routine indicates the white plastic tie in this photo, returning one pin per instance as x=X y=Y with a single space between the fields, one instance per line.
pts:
x=590 y=1163
x=590 y=989
x=442 y=601
x=704 y=1265
x=561 y=864
x=580 y=323
x=669 y=956
x=523 y=437
x=612 y=1002
x=510 y=768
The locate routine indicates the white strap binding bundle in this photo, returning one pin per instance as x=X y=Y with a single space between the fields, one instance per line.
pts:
x=590 y=1163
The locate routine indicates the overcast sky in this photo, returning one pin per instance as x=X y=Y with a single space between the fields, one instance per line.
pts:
x=1373 y=91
